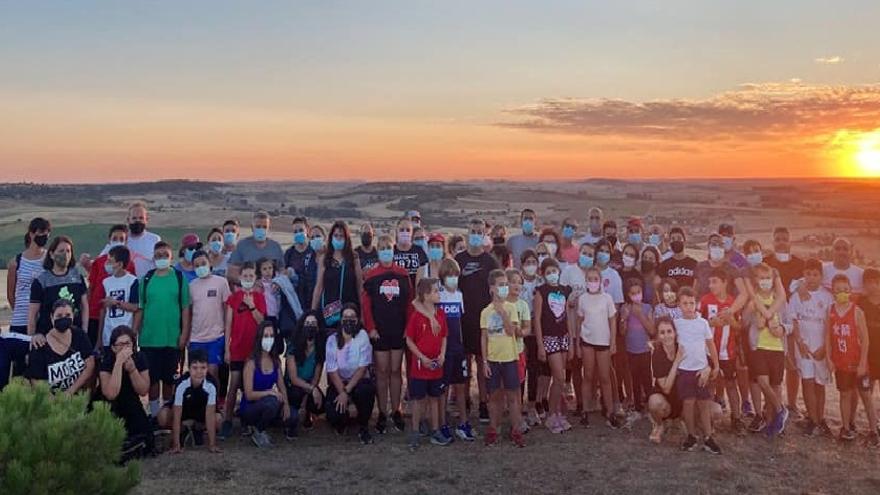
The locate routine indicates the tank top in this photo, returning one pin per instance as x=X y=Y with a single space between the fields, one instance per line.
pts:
x=262 y=381
x=332 y=284
x=845 y=348
x=25 y=273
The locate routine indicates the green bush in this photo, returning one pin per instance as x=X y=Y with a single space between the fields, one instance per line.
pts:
x=51 y=445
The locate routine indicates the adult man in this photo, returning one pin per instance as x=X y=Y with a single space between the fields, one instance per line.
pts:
x=680 y=266
x=594 y=231
x=140 y=241
x=790 y=267
x=527 y=240
x=301 y=262
x=255 y=247
x=842 y=263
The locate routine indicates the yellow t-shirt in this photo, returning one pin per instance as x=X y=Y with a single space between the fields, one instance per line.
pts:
x=501 y=346
x=767 y=340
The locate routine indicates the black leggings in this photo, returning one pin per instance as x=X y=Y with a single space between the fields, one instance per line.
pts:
x=295 y=396
x=640 y=370
x=262 y=413
x=363 y=396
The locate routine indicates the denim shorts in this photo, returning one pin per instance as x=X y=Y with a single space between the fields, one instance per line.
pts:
x=504 y=376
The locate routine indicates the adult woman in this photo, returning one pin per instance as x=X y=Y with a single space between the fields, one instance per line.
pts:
x=367 y=250
x=663 y=403
x=65 y=360
x=568 y=248
x=217 y=256
x=349 y=355
x=59 y=280
x=265 y=396
x=125 y=377
x=650 y=279
x=339 y=276
x=456 y=245
x=317 y=239
x=306 y=350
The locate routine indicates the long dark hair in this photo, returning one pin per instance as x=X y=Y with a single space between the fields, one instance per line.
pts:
x=37 y=223
x=299 y=342
x=347 y=251
x=257 y=351
x=49 y=260
x=340 y=339
x=552 y=232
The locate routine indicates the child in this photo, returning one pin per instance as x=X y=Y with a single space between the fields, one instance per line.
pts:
x=499 y=324
x=767 y=361
x=597 y=324
x=637 y=326
x=553 y=338
x=668 y=305
x=245 y=310
x=271 y=293
x=209 y=293
x=455 y=371
x=118 y=294
x=725 y=327
x=870 y=305
x=537 y=372
x=809 y=320
x=694 y=374
x=847 y=338
x=515 y=281
x=194 y=407
x=426 y=334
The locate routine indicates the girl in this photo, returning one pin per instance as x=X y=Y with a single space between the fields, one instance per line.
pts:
x=523 y=309
x=218 y=256
x=457 y=245
x=668 y=304
x=650 y=280
x=305 y=365
x=349 y=355
x=597 y=324
x=665 y=358
x=574 y=276
x=124 y=379
x=366 y=252
x=265 y=396
x=455 y=370
x=551 y=240
x=426 y=334
x=436 y=254
x=271 y=293
x=612 y=284
x=406 y=254
x=637 y=327
x=622 y=376
x=67 y=352
x=630 y=258
x=339 y=276
x=499 y=246
x=537 y=372
x=553 y=338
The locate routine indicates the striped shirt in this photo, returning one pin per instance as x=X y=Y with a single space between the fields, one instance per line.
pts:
x=26 y=271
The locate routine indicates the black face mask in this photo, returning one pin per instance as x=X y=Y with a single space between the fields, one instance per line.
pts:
x=647 y=266
x=366 y=239
x=677 y=246
x=311 y=331
x=137 y=228
x=350 y=327
x=41 y=240
x=612 y=239
x=498 y=241
x=63 y=324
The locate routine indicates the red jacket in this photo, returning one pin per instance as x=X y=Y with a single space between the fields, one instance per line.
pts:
x=96 y=284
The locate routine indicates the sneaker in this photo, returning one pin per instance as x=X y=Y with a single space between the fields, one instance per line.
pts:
x=365 y=437
x=198 y=437
x=824 y=429
x=381 y=424
x=539 y=409
x=585 y=420
x=711 y=447
x=484 y=413
x=794 y=413
x=290 y=433
x=247 y=431
x=874 y=440
x=446 y=431
x=689 y=444
x=267 y=440
x=739 y=428
x=491 y=437
x=225 y=430
x=777 y=426
x=847 y=435
x=546 y=405
x=260 y=439
x=424 y=429
x=563 y=422
x=397 y=420
x=554 y=425
x=465 y=432
x=613 y=422
x=438 y=438
x=757 y=424
x=656 y=435
x=414 y=441
x=532 y=419
x=747 y=409
x=307 y=421
x=524 y=426
x=811 y=429
x=517 y=438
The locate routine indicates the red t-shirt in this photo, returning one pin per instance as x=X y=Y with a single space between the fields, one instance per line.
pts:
x=97 y=274
x=418 y=329
x=244 y=326
x=724 y=336
x=846 y=350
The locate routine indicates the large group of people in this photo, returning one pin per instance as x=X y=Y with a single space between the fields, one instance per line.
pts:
x=554 y=325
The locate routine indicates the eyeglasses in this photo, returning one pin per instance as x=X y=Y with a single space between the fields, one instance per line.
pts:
x=122 y=345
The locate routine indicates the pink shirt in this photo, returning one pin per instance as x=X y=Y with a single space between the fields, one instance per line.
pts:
x=209 y=297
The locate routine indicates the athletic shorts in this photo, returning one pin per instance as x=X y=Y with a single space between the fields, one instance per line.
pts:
x=214 y=349
x=455 y=369
x=504 y=376
x=847 y=381
x=419 y=388
x=728 y=369
x=811 y=369
x=472 y=341
x=768 y=363
x=554 y=344
x=687 y=386
x=390 y=341
x=189 y=411
x=596 y=347
x=162 y=363
x=236 y=366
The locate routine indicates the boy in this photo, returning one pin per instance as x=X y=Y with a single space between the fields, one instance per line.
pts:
x=725 y=327
x=809 y=317
x=499 y=324
x=455 y=371
x=847 y=338
x=694 y=374
x=870 y=305
x=194 y=408
x=767 y=360
x=209 y=293
x=97 y=273
x=164 y=327
x=117 y=295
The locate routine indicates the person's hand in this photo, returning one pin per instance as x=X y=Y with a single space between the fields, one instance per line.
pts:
x=341 y=403
x=578 y=352
x=819 y=354
x=624 y=312
x=215 y=449
x=426 y=362
x=803 y=349
x=85 y=261
x=248 y=299
x=374 y=335
x=636 y=308
x=441 y=361
x=37 y=341
x=679 y=356
x=703 y=376
x=803 y=292
x=613 y=347
x=830 y=364
x=123 y=356
x=499 y=307
x=542 y=354
x=487 y=370
x=129 y=365
x=108 y=302
x=316 y=395
x=176 y=449
x=226 y=355
x=862 y=370
x=285 y=412
x=181 y=342
x=715 y=321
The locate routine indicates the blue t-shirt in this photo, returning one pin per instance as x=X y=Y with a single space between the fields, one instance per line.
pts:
x=636 y=336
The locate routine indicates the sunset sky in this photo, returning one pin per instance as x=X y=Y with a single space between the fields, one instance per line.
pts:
x=119 y=91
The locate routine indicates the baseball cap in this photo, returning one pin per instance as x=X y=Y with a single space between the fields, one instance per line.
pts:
x=436 y=237
x=190 y=240
x=413 y=214
x=725 y=229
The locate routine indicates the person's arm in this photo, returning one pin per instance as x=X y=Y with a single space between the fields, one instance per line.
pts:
x=111 y=382
x=185 y=330
x=33 y=311
x=612 y=324
x=864 y=342
x=742 y=295
x=669 y=380
x=484 y=346
x=98 y=341
x=294 y=377
x=525 y=326
x=175 y=429
x=827 y=348
x=227 y=333
x=358 y=273
x=780 y=297
x=248 y=382
x=210 y=427
x=414 y=349
x=84 y=310
x=285 y=404
x=367 y=315
x=648 y=322
x=140 y=380
x=319 y=285
x=11 y=281
x=84 y=378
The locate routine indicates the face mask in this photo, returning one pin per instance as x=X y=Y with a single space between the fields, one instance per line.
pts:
x=498 y=241
x=435 y=253
x=366 y=239
x=541 y=258
x=338 y=244
x=311 y=331
x=728 y=243
x=422 y=244
x=113 y=244
x=41 y=240
x=229 y=238
x=530 y=270
x=61 y=259
x=451 y=282
x=247 y=284
x=654 y=239
x=552 y=278
x=568 y=231
x=188 y=254
x=603 y=257
x=475 y=240
x=317 y=243
x=783 y=257
x=628 y=261
x=203 y=271
x=404 y=237
x=716 y=253
x=260 y=234
x=63 y=324
x=267 y=343
x=386 y=255
x=842 y=297
x=299 y=238
x=669 y=297
x=647 y=266
x=137 y=228
x=503 y=291
x=765 y=283
x=585 y=261
x=216 y=246
x=551 y=247
x=636 y=299
x=528 y=227
x=677 y=246
x=350 y=327
x=595 y=225
x=593 y=287
x=755 y=258
x=163 y=263
x=108 y=268
x=635 y=238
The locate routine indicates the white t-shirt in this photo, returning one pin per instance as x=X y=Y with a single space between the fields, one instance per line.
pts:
x=591 y=239
x=612 y=284
x=142 y=248
x=811 y=316
x=596 y=309
x=854 y=273
x=692 y=337
x=358 y=352
x=573 y=276
x=125 y=289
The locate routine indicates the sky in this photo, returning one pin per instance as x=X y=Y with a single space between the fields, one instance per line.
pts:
x=95 y=91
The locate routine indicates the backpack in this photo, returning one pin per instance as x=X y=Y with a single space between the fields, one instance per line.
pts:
x=149 y=276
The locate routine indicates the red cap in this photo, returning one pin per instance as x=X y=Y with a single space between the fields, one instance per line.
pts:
x=436 y=237
x=634 y=222
x=190 y=240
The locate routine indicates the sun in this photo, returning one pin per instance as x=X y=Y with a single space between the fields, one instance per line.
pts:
x=867 y=154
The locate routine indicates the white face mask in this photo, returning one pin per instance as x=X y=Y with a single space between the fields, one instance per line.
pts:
x=765 y=283
x=551 y=247
x=716 y=253
x=530 y=270
x=267 y=343
x=628 y=261
x=783 y=257
x=452 y=282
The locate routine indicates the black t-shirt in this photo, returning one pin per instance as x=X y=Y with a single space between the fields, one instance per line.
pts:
x=350 y=293
x=683 y=271
x=790 y=270
x=368 y=260
x=127 y=396
x=194 y=399
x=474 y=286
x=872 y=319
x=305 y=265
x=661 y=365
x=554 y=309
x=389 y=294
x=49 y=287
x=410 y=260
x=60 y=370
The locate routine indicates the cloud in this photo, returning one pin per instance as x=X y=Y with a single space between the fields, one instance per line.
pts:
x=837 y=59
x=754 y=111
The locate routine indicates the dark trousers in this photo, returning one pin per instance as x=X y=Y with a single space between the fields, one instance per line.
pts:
x=363 y=396
x=262 y=413
x=296 y=394
x=13 y=352
x=640 y=370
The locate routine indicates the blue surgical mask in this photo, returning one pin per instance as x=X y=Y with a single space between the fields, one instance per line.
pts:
x=552 y=278
x=113 y=244
x=568 y=231
x=108 y=268
x=260 y=234
x=655 y=239
x=603 y=257
x=317 y=243
x=216 y=246
x=503 y=291
x=338 y=244
x=163 y=264
x=203 y=271
x=585 y=261
x=435 y=253
x=422 y=244
x=386 y=255
x=635 y=238
x=188 y=255
x=299 y=237
x=475 y=240
x=528 y=227
x=451 y=282
x=755 y=258
x=229 y=238
x=728 y=243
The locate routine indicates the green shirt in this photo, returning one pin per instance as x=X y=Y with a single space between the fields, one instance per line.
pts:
x=161 y=315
